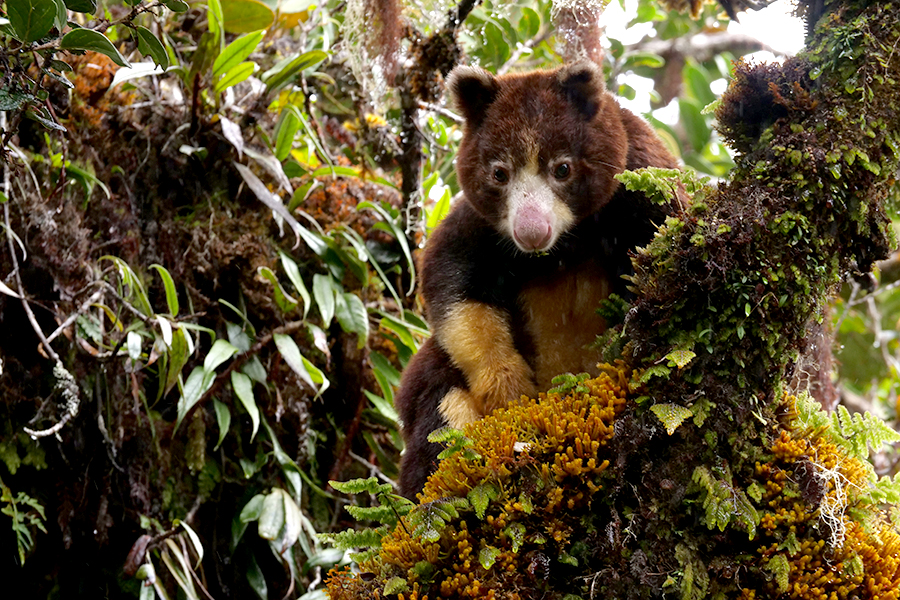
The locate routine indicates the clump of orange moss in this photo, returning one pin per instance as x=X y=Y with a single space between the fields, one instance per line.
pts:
x=534 y=485
x=809 y=544
x=540 y=462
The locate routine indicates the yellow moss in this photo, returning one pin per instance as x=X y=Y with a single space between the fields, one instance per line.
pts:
x=545 y=459
x=809 y=486
x=558 y=443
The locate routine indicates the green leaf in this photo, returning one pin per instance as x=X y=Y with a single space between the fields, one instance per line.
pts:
x=243 y=389
x=286 y=69
x=271 y=516
x=694 y=123
x=351 y=313
x=220 y=352
x=387 y=376
x=82 y=6
x=31 y=20
x=359 y=486
x=671 y=415
x=40 y=115
x=223 y=420
x=396 y=229
x=680 y=357
x=252 y=509
x=293 y=273
x=135 y=289
x=177 y=6
x=285 y=130
x=292 y=522
x=59 y=21
x=179 y=352
x=87 y=39
x=245 y=16
x=149 y=45
x=488 y=556
x=216 y=21
x=257 y=579
x=395 y=585
x=481 y=495
x=197 y=384
x=195 y=542
x=169 y=285
x=291 y=354
x=234 y=76
x=403 y=330
x=323 y=292
x=383 y=407
x=697 y=79
x=236 y=52
x=644 y=59
x=13 y=99
x=284 y=301
x=779 y=566
x=529 y=23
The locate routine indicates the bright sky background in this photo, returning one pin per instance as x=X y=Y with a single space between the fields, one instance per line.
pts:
x=774 y=25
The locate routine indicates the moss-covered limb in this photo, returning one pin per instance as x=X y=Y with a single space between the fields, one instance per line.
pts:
x=727 y=291
x=736 y=500
x=737 y=279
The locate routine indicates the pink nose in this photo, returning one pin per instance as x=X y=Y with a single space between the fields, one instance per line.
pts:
x=532 y=229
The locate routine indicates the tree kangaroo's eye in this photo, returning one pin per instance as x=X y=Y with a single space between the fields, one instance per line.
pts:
x=501 y=175
x=562 y=171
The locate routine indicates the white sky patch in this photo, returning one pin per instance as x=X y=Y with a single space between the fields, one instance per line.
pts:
x=775 y=26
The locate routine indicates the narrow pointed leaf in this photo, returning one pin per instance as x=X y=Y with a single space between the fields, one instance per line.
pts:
x=293 y=273
x=82 y=6
x=323 y=291
x=235 y=75
x=236 y=52
x=169 y=286
x=292 y=356
x=243 y=389
x=219 y=353
x=285 y=70
x=223 y=420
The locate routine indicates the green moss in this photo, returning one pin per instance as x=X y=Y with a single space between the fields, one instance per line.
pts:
x=669 y=501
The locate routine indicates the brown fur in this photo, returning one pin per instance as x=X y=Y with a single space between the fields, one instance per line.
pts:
x=561 y=319
x=479 y=340
x=513 y=276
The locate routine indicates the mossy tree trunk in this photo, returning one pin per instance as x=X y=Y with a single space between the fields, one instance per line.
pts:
x=737 y=500
x=734 y=288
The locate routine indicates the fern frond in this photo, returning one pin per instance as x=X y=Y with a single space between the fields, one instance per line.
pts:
x=356 y=538
x=858 y=434
x=724 y=503
x=429 y=519
x=671 y=415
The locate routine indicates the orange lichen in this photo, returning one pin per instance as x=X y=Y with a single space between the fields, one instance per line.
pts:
x=546 y=457
x=811 y=548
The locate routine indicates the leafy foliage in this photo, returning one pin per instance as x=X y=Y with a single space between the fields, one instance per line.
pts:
x=671 y=415
x=430 y=518
x=724 y=503
x=857 y=433
x=212 y=360
x=567 y=382
x=27 y=516
x=456 y=443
